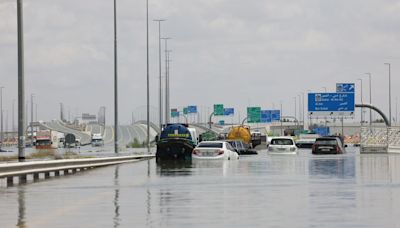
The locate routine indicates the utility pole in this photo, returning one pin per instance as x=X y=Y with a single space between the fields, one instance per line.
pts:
x=13 y=114
x=370 y=97
x=148 y=77
x=295 y=108
x=160 y=79
x=32 y=118
x=1 y=116
x=303 y=110
x=362 y=110
x=21 y=84
x=166 y=78
x=167 y=86
x=115 y=81
x=390 y=96
x=281 y=121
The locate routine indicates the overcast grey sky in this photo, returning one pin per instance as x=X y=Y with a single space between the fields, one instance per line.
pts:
x=235 y=52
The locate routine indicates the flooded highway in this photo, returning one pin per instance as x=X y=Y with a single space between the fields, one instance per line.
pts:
x=303 y=190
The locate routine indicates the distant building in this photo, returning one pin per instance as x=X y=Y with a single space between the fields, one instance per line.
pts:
x=88 y=118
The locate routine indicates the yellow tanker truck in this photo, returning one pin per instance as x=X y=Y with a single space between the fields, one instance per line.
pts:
x=244 y=134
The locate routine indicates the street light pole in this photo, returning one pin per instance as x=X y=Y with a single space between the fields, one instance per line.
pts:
x=390 y=97
x=13 y=114
x=167 y=86
x=166 y=78
x=1 y=116
x=295 y=107
x=300 y=111
x=362 y=119
x=115 y=81
x=370 y=97
x=281 y=121
x=396 y=111
x=32 y=95
x=148 y=77
x=303 y=110
x=21 y=84
x=160 y=80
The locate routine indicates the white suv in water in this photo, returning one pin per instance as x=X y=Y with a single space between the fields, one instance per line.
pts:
x=282 y=145
x=214 y=150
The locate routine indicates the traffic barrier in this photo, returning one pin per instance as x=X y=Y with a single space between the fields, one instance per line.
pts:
x=35 y=168
x=380 y=139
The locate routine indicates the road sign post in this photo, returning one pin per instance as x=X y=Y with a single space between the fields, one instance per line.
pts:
x=253 y=114
x=218 y=110
x=331 y=104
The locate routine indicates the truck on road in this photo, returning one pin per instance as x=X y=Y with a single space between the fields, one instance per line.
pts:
x=47 y=139
x=97 y=140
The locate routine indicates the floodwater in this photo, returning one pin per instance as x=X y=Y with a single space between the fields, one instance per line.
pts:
x=103 y=151
x=303 y=190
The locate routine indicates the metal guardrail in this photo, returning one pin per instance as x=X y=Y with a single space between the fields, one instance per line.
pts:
x=22 y=170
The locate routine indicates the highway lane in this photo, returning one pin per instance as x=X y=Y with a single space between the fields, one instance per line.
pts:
x=349 y=190
x=58 y=126
x=95 y=128
x=126 y=134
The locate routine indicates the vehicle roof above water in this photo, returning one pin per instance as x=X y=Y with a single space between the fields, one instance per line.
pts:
x=213 y=142
x=282 y=137
x=327 y=138
x=233 y=140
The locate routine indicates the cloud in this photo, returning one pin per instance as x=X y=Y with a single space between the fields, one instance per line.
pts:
x=232 y=51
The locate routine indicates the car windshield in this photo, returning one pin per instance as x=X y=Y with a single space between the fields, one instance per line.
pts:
x=210 y=145
x=326 y=142
x=281 y=142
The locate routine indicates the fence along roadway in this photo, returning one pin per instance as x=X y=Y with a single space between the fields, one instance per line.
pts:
x=22 y=170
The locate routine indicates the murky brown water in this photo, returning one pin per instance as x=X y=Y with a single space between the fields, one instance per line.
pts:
x=348 y=190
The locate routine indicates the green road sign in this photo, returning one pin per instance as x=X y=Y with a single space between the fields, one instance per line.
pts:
x=174 y=113
x=185 y=111
x=218 y=110
x=253 y=114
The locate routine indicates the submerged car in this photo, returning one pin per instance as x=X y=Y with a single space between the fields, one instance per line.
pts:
x=328 y=145
x=282 y=145
x=241 y=148
x=210 y=150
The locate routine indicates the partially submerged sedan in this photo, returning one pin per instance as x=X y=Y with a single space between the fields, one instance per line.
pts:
x=328 y=145
x=211 y=150
x=282 y=145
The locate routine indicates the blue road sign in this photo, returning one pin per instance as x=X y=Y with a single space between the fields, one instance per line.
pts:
x=345 y=88
x=275 y=115
x=229 y=111
x=266 y=116
x=329 y=103
x=192 y=109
